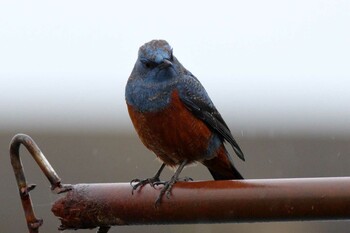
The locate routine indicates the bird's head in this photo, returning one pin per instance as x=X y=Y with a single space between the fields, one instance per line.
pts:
x=156 y=60
x=155 y=53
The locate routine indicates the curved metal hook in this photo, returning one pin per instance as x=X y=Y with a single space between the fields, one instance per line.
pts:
x=33 y=223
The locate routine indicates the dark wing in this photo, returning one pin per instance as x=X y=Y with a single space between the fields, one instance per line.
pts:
x=198 y=102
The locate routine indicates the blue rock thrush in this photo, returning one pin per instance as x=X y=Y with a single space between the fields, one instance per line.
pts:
x=175 y=118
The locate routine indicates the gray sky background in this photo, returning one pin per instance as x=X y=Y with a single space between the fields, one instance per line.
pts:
x=276 y=67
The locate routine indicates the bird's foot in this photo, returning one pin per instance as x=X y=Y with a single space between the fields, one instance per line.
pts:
x=168 y=186
x=185 y=179
x=136 y=183
x=165 y=190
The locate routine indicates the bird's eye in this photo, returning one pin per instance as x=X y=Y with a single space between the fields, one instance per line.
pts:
x=149 y=64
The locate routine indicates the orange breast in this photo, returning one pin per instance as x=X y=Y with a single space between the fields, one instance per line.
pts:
x=173 y=134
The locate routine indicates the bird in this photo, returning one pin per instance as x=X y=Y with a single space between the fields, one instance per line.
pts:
x=175 y=118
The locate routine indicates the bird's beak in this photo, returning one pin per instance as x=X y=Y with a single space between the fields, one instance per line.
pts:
x=165 y=64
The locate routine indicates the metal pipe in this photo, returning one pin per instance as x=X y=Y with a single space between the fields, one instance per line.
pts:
x=33 y=223
x=106 y=205
x=93 y=205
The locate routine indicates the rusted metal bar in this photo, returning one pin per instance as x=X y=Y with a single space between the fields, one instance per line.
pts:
x=92 y=205
x=106 y=205
x=33 y=223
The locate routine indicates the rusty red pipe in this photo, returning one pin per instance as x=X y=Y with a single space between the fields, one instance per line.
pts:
x=106 y=205
x=92 y=205
x=33 y=223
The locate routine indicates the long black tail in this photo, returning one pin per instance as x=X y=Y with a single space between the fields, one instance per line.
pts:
x=221 y=168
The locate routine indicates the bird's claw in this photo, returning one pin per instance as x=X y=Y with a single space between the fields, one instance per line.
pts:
x=167 y=188
x=159 y=183
x=140 y=183
x=185 y=179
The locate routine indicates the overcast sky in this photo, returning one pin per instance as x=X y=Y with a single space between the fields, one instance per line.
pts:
x=269 y=66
